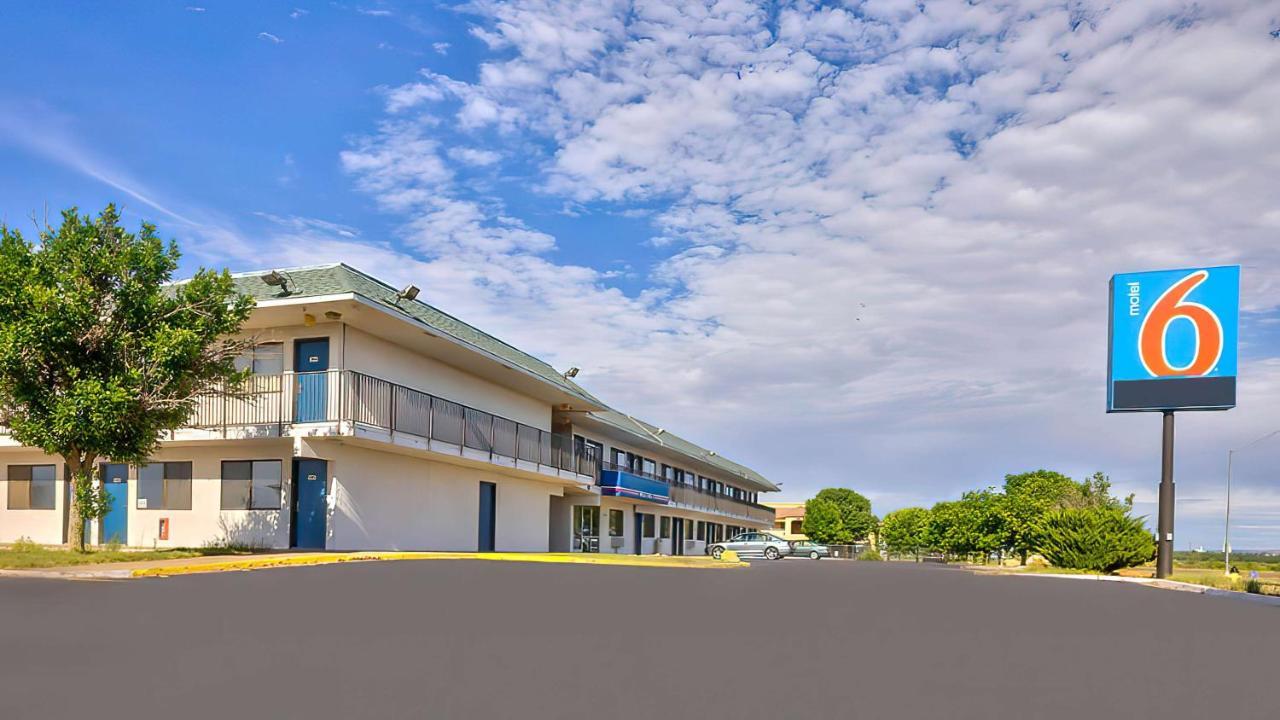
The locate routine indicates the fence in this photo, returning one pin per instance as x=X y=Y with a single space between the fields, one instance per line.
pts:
x=353 y=397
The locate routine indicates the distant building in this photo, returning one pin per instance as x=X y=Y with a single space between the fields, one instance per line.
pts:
x=788 y=520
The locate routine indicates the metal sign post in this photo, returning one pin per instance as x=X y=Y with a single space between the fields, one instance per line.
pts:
x=1164 y=543
x=1172 y=346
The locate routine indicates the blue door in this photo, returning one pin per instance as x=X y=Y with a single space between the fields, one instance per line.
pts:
x=309 y=507
x=115 y=525
x=310 y=363
x=488 y=516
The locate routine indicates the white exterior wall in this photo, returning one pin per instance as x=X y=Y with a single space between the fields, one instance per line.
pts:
x=42 y=526
x=204 y=524
x=656 y=543
x=374 y=356
x=399 y=502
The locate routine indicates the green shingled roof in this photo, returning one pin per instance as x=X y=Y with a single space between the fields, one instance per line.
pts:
x=340 y=279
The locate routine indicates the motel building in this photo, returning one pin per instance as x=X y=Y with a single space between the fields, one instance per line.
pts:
x=375 y=421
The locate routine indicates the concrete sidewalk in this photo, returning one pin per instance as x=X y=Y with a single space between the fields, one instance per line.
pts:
x=1175 y=585
x=226 y=563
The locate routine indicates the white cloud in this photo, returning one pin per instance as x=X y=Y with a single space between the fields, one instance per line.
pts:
x=886 y=232
x=474 y=156
x=411 y=95
x=889 y=231
x=441 y=48
x=269 y=37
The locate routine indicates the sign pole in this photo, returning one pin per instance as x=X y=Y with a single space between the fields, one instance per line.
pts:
x=1164 y=543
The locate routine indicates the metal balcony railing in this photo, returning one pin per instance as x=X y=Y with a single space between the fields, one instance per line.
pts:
x=347 y=396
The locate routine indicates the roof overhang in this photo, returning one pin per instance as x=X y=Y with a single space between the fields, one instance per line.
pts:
x=643 y=439
x=385 y=322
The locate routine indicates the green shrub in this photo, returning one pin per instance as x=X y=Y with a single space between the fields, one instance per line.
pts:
x=25 y=544
x=1103 y=539
x=1253 y=586
x=871 y=554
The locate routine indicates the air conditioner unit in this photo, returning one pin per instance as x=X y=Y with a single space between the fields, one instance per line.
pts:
x=615 y=542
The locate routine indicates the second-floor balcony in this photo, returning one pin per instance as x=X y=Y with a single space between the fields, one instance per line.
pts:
x=620 y=481
x=346 y=402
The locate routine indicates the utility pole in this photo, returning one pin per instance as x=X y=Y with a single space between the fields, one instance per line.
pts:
x=1226 y=532
x=1226 y=529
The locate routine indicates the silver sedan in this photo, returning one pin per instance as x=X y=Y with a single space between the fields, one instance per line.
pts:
x=752 y=544
x=809 y=549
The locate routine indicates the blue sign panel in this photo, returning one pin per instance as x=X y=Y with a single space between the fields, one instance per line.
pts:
x=1173 y=340
x=638 y=487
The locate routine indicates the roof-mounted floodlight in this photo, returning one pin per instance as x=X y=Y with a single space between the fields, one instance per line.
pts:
x=571 y=372
x=410 y=292
x=276 y=279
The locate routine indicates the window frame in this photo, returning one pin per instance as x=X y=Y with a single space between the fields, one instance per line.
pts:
x=30 y=483
x=621 y=528
x=164 y=485
x=250 y=505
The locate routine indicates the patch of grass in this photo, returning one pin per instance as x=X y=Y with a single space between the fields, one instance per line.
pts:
x=25 y=554
x=1047 y=570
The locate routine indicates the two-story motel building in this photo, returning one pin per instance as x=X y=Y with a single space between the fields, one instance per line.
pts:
x=374 y=421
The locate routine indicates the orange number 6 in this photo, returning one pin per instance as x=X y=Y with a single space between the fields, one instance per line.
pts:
x=1170 y=307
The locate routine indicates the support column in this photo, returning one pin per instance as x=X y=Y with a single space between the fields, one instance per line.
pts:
x=1164 y=541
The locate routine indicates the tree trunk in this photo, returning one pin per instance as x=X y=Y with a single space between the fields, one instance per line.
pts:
x=77 y=471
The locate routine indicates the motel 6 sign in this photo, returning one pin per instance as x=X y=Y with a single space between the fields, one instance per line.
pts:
x=1173 y=340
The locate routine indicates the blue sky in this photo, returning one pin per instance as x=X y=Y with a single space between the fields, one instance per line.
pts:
x=863 y=244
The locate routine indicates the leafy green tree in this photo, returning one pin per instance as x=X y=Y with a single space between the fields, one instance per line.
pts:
x=1029 y=496
x=974 y=524
x=822 y=522
x=99 y=352
x=905 y=531
x=856 y=524
x=1096 y=492
x=1100 y=538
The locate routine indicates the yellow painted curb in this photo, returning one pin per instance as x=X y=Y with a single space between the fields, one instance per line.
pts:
x=329 y=558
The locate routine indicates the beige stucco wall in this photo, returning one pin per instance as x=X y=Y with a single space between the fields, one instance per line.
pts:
x=42 y=526
x=204 y=524
x=372 y=355
x=400 y=502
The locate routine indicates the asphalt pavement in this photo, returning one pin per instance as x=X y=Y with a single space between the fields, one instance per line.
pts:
x=788 y=639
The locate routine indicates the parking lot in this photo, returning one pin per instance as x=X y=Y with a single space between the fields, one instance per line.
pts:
x=786 y=639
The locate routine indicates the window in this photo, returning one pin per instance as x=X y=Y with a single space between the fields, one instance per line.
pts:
x=646 y=525
x=263 y=359
x=618 y=458
x=702 y=530
x=164 y=486
x=615 y=523
x=688 y=529
x=251 y=485
x=32 y=487
x=664 y=526
x=649 y=467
